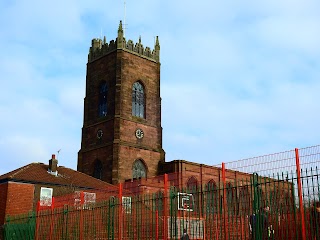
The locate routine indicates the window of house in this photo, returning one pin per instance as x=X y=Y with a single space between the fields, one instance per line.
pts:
x=139 y=169
x=138 y=100
x=46 y=196
x=103 y=93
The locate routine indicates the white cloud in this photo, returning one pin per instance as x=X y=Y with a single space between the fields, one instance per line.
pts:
x=238 y=78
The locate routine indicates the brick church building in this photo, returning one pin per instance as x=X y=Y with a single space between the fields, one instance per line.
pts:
x=121 y=146
x=122 y=133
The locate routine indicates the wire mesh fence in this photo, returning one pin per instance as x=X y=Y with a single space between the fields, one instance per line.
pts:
x=268 y=197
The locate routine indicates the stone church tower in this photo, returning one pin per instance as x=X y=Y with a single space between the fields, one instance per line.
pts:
x=122 y=133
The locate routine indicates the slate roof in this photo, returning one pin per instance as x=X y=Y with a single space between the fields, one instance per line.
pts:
x=37 y=173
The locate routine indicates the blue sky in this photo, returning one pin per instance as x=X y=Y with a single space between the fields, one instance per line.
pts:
x=238 y=78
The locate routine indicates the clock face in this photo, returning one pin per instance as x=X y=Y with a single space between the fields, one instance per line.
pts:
x=139 y=133
x=99 y=134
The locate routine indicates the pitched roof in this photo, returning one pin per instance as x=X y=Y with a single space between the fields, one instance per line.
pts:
x=38 y=173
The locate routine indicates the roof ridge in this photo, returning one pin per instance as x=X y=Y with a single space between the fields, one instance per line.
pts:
x=19 y=170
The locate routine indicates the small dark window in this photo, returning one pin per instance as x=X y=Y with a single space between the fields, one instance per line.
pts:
x=138 y=100
x=103 y=93
x=97 y=170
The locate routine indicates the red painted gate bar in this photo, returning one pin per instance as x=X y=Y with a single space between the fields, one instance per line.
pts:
x=300 y=193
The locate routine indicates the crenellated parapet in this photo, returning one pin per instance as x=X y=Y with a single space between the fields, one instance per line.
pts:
x=100 y=47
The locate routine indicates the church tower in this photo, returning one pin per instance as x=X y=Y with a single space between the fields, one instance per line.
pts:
x=122 y=133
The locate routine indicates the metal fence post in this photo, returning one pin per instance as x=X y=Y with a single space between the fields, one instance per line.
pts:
x=51 y=218
x=165 y=207
x=81 y=215
x=157 y=225
x=225 y=209
x=300 y=193
x=257 y=228
x=37 y=220
x=120 y=212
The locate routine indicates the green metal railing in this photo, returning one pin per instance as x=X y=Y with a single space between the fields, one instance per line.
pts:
x=200 y=213
x=20 y=227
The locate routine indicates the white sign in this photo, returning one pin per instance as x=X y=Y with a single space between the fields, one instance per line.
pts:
x=126 y=204
x=185 y=202
x=193 y=226
x=88 y=198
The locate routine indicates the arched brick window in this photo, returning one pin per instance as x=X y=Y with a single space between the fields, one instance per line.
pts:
x=212 y=197
x=192 y=187
x=138 y=100
x=158 y=199
x=231 y=199
x=245 y=200
x=139 y=169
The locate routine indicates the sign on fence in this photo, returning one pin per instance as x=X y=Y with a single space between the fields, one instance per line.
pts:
x=126 y=204
x=193 y=226
x=89 y=199
x=185 y=202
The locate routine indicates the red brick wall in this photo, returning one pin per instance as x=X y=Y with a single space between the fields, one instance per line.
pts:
x=104 y=153
x=127 y=155
x=3 y=201
x=19 y=198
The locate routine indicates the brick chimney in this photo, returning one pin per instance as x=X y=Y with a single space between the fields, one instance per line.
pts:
x=53 y=165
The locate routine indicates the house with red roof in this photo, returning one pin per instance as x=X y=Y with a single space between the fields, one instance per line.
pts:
x=23 y=188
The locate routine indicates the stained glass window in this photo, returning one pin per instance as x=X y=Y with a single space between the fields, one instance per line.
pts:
x=139 y=170
x=138 y=100
x=103 y=93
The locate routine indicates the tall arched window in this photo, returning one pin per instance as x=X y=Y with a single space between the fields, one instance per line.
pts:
x=231 y=199
x=103 y=93
x=139 y=169
x=138 y=100
x=212 y=197
x=275 y=200
x=192 y=187
x=97 y=169
x=245 y=200
x=158 y=199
